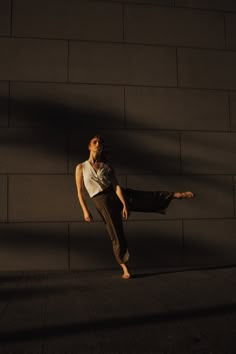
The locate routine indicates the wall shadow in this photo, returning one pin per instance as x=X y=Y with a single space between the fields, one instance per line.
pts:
x=52 y=119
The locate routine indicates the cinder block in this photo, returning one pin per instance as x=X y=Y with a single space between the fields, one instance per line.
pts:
x=210 y=242
x=47 y=198
x=164 y=26
x=154 y=243
x=5 y=18
x=90 y=246
x=231 y=30
x=206 y=69
x=167 y=108
x=132 y=152
x=68 y=19
x=4 y=89
x=122 y=64
x=33 y=59
x=32 y=246
x=209 y=153
x=32 y=151
x=227 y=5
x=43 y=198
x=214 y=196
x=60 y=106
x=3 y=198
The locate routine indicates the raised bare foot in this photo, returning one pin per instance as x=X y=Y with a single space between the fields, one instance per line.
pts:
x=184 y=195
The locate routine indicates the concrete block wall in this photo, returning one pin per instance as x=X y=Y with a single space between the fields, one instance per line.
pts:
x=157 y=78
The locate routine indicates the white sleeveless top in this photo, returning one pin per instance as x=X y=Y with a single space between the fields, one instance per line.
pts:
x=96 y=181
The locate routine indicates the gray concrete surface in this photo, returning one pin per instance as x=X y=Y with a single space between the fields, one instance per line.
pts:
x=157 y=311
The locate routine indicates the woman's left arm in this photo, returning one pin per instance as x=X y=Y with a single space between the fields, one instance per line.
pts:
x=125 y=211
x=119 y=193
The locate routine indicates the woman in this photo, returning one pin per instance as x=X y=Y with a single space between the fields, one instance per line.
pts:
x=114 y=202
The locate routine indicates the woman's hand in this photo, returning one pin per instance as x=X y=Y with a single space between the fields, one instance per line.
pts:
x=125 y=212
x=87 y=216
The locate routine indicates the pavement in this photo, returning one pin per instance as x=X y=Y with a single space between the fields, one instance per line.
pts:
x=157 y=311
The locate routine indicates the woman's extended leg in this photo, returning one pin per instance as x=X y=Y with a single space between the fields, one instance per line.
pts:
x=149 y=201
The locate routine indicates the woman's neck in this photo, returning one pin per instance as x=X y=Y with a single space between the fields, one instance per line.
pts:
x=93 y=158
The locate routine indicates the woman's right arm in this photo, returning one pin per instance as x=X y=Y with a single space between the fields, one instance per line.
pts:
x=80 y=188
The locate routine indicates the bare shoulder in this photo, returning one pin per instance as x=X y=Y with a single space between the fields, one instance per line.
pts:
x=79 y=168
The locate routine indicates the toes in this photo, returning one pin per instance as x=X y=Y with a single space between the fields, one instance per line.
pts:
x=190 y=195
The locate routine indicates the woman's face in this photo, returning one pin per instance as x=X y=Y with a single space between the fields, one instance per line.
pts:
x=95 y=145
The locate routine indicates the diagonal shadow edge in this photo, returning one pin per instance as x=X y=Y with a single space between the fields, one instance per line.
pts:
x=78 y=328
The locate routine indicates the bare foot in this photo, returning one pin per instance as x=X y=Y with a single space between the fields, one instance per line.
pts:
x=184 y=195
x=126 y=274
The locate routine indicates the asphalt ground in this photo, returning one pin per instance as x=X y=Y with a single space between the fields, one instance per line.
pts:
x=157 y=311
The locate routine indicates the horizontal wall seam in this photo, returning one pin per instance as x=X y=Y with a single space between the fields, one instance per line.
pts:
x=81 y=83
x=152 y=3
x=180 y=174
x=223 y=49
x=124 y=2
x=124 y=129
x=206 y=10
x=74 y=82
x=66 y=222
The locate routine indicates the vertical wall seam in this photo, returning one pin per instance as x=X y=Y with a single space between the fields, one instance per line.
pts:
x=183 y=243
x=68 y=60
x=225 y=32
x=68 y=153
x=68 y=245
x=180 y=153
x=177 y=68
x=229 y=110
x=124 y=112
x=7 y=198
x=9 y=104
x=123 y=21
x=233 y=196
x=11 y=17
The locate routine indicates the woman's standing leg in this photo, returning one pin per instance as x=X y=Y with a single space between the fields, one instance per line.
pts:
x=109 y=207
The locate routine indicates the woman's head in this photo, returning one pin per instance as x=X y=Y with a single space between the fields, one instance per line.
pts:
x=96 y=143
x=96 y=146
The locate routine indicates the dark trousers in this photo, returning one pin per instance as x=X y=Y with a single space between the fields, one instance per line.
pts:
x=110 y=207
x=147 y=202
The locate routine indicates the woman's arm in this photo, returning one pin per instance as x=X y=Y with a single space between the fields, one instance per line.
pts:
x=119 y=193
x=80 y=188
